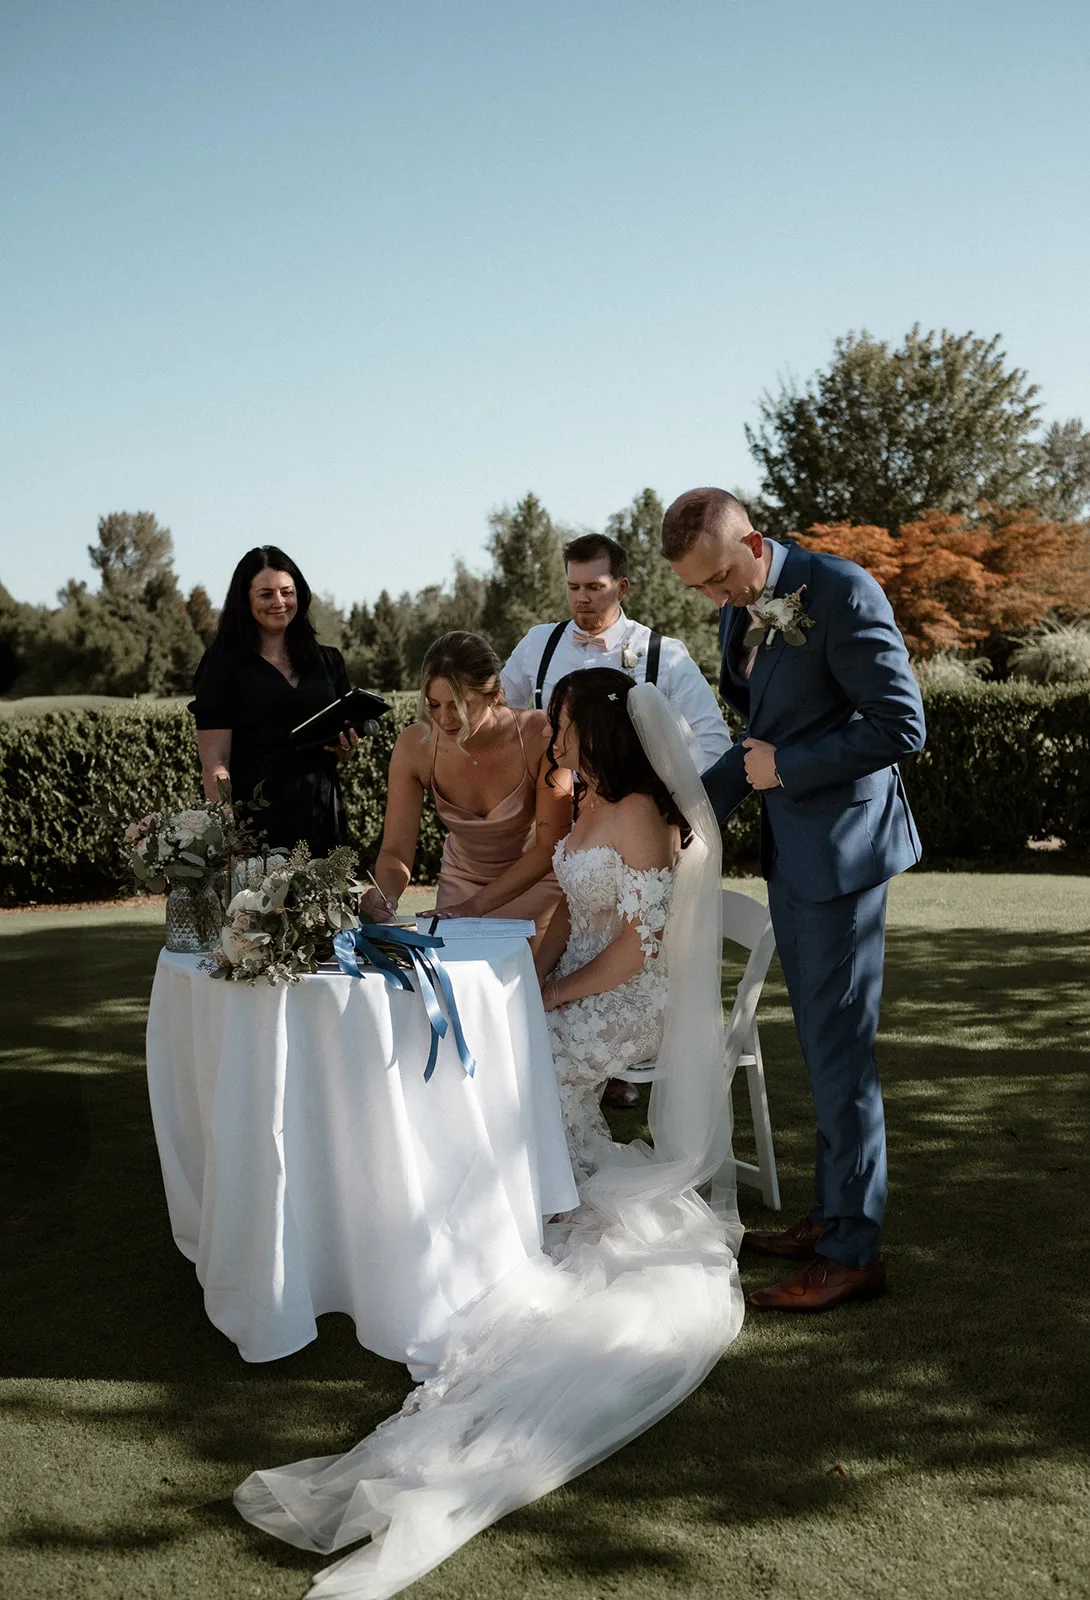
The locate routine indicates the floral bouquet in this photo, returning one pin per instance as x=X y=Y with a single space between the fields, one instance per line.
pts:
x=186 y=852
x=190 y=853
x=282 y=926
x=167 y=848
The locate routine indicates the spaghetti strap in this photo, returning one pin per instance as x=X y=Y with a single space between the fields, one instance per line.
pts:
x=443 y=805
x=522 y=742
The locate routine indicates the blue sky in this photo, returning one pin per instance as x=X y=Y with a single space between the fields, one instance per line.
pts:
x=347 y=276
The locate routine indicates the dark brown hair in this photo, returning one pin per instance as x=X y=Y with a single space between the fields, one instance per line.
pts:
x=238 y=627
x=592 y=547
x=596 y=699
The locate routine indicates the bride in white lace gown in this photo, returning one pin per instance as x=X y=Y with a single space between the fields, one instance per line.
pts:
x=636 y=1296
x=606 y=996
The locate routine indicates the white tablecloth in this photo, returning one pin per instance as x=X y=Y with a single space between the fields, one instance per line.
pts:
x=308 y=1167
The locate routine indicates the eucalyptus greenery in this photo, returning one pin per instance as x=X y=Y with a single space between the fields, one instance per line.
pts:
x=283 y=927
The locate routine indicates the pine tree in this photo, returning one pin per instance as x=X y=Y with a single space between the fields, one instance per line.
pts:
x=202 y=614
x=657 y=595
x=172 y=648
x=359 y=645
x=437 y=609
x=16 y=622
x=328 y=620
x=526 y=585
x=388 y=646
x=1062 y=486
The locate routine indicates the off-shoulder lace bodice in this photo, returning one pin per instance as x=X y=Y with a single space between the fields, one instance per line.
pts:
x=603 y=894
x=597 y=1036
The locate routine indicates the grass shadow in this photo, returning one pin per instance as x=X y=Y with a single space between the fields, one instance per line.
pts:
x=963 y=1372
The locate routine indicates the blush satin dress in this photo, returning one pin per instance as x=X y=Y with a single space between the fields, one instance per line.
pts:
x=479 y=849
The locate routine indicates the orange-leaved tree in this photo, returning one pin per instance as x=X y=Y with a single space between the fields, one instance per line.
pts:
x=954 y=582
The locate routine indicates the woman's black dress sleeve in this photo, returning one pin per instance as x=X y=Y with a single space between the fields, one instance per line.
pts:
x=244 y=693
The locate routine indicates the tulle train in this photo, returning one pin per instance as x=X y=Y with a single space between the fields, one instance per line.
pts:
x=551 y=1371
x=581 y=1349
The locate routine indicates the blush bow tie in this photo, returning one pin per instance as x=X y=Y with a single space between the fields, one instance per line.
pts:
x=588 y=641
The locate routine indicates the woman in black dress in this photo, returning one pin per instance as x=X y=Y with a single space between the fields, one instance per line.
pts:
x=263 y=675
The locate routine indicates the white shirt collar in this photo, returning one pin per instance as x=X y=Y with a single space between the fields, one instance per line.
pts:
x=779 y=556
x=614 y=634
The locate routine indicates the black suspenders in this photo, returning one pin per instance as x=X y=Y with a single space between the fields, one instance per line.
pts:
x=546 y=656
x=651 y=673
x=654 y=646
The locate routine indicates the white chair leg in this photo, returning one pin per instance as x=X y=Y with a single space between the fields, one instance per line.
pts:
x=762 y=1124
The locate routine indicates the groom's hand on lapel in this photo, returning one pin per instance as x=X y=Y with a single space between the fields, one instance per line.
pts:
x=760 y=761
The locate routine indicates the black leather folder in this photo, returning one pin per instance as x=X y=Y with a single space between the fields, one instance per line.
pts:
x=351 y=710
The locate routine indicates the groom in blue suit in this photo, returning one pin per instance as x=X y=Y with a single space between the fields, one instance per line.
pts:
x=830 y=704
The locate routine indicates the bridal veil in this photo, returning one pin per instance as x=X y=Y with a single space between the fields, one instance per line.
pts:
x=582 y=1348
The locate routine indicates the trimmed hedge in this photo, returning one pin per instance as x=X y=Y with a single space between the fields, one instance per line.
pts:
x=1005 y=763
x=70 y=780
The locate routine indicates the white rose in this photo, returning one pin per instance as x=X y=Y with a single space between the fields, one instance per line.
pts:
x=235 y=946
x=190 y=825
x=276 y=889
x=196 y=820
x=248 y=900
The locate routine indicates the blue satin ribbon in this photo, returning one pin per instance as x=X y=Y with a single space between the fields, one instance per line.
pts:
x=361 y=950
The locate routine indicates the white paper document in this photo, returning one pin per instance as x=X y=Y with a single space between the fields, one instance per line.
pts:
x=478 y=927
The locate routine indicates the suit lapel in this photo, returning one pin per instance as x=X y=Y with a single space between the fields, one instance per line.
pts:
x=795 y=571
x=733 y=685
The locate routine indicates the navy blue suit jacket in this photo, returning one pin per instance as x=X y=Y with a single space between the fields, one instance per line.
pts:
x=840 y=709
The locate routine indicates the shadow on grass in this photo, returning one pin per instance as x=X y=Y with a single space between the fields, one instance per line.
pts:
x=1038 y=860
x=965 y=1368
x=77 y=998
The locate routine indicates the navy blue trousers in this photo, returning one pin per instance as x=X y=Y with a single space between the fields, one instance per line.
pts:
x=832 y=954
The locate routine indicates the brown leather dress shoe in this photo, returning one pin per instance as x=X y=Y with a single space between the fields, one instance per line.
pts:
x=822 y=1285
x=619 y=1095
x=793 y=1244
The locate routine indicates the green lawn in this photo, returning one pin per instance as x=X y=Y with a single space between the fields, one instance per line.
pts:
x=933 y=1443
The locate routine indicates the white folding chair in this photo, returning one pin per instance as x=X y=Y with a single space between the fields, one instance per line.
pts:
x=747 y=923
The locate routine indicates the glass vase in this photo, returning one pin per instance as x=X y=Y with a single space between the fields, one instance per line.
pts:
x=194 y=918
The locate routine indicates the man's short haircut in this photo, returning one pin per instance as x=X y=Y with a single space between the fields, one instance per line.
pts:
x=598 y=547
x=698 y=511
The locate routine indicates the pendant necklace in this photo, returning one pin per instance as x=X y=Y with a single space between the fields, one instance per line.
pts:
x=469 y=736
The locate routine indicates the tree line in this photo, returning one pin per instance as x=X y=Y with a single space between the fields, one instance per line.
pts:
x=925 y=462
x=139 y=634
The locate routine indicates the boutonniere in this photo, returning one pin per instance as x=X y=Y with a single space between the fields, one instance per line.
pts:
x=629 y=656
x=784 y=614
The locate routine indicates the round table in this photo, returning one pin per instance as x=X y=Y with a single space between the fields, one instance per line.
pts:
x=309 y=1167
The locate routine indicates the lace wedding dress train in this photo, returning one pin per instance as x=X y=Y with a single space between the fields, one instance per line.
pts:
x=636 y=1296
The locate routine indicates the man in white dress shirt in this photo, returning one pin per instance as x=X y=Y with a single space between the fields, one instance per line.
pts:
x=600 y=635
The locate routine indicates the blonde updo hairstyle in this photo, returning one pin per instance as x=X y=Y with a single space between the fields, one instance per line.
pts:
x=469 y=664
